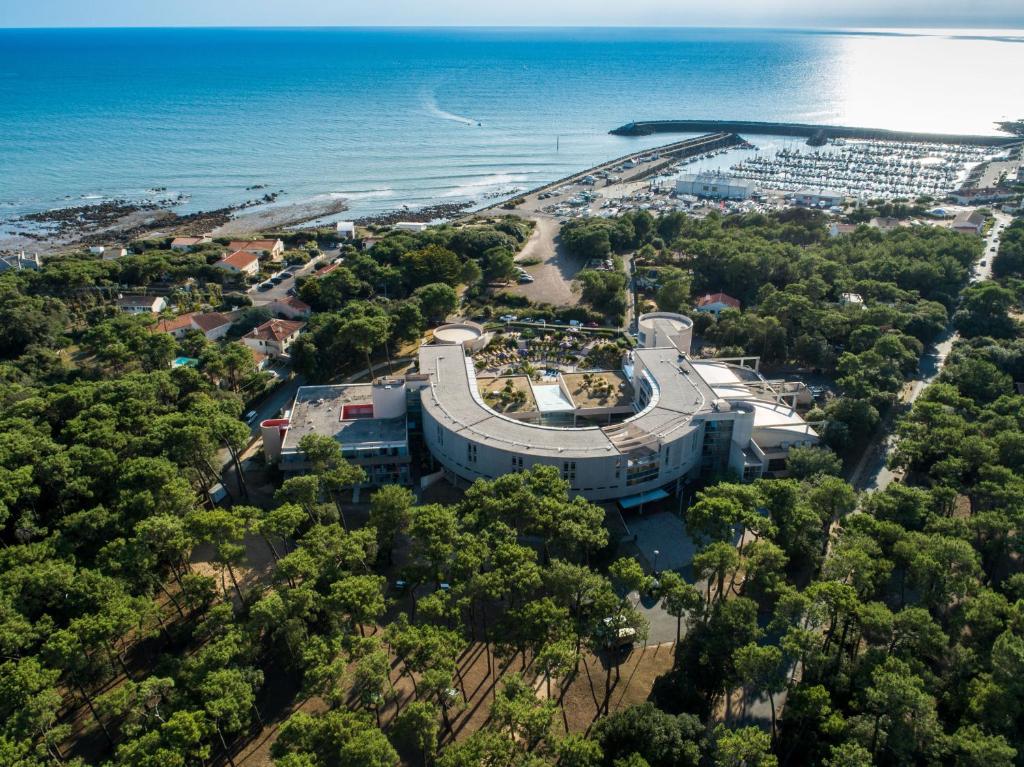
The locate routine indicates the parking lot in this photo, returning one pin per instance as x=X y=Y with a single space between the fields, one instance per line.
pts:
x=262 y=297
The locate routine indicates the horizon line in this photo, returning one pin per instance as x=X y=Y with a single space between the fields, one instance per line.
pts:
x=892 y=28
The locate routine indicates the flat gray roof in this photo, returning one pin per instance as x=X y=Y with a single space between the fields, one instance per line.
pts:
x=318 y=410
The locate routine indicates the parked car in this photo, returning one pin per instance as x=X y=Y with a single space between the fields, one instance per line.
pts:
x=524 y=279
x=266 y=285
x=251 y=416
x=508 y=318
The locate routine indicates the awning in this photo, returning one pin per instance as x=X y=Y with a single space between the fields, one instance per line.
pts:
x=636 y=500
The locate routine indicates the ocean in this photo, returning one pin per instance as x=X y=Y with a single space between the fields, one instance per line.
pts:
x=393 y=117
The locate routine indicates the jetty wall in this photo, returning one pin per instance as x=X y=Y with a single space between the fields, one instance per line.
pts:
x=820 y=133
x=677 y=150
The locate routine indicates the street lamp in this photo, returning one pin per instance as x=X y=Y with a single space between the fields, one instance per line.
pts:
x=656 y=553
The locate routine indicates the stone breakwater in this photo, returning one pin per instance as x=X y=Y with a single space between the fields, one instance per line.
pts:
x=818 y=134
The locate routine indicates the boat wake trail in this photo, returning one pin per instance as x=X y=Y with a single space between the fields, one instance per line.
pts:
x=431 y=106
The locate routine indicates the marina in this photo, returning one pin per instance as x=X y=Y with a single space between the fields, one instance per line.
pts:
x=880 y=169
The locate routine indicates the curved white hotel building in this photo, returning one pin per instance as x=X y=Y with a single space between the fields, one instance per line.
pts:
x=685 y=417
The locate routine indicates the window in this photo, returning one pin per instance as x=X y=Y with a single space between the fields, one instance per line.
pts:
x=471 y=452
x=618 y=468
x=440 y=435
x=517 y=463
x=569 y=471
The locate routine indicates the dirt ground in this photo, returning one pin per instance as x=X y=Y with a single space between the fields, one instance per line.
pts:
x=581 y=702
x=637 y=674
x=553 y=275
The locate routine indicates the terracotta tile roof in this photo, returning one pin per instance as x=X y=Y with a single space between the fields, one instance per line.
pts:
x=252 y=246
x=718 y=298
x=210 y=321
x=175 y=323
x=275 y=330
x=295 y=303
x=323 y=271
x=239 y=260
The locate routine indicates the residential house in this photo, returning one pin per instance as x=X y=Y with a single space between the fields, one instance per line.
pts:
x=290 y=307
x=410 y=226
x=346 y=229
x=213 y=325
x=274 y=337
x=272 y=248
x=185 y=244
x=114 y=253
x=884 y=223
x=240 y=262
x=141 y=304
x=835 y=229
x=851 y=299
x=969 y=222
x=19 y=261
x=716 y=303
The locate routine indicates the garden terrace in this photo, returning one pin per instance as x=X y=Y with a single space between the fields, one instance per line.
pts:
x=601 y=389
x=508 y=394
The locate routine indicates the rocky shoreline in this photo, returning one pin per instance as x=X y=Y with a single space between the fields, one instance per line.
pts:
x=444 y=210
x=118 y=220
x=122 y=221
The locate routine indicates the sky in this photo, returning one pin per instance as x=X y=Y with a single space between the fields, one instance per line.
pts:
x=986 y=14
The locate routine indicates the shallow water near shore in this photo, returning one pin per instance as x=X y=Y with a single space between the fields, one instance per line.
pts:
x=388 y=118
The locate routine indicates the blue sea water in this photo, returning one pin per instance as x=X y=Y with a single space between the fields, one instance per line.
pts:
x=398 y=117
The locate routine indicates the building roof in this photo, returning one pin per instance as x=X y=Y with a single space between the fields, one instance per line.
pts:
x=137 y=300
x=323 y=271
x=884 y=222
x=239 y=260
x=205 y=321
x=253 y=246
x=818 y=192
x=208 y=321
x=713 y=177
x=718 y=298
x=319 y=410
x=190 y=241
x=275 y=330
x=293 y=303
x=175 y=323
x=453 y=399
x=972 y=218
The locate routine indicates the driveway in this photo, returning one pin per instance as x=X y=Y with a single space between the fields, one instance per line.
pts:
x=264 y=297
